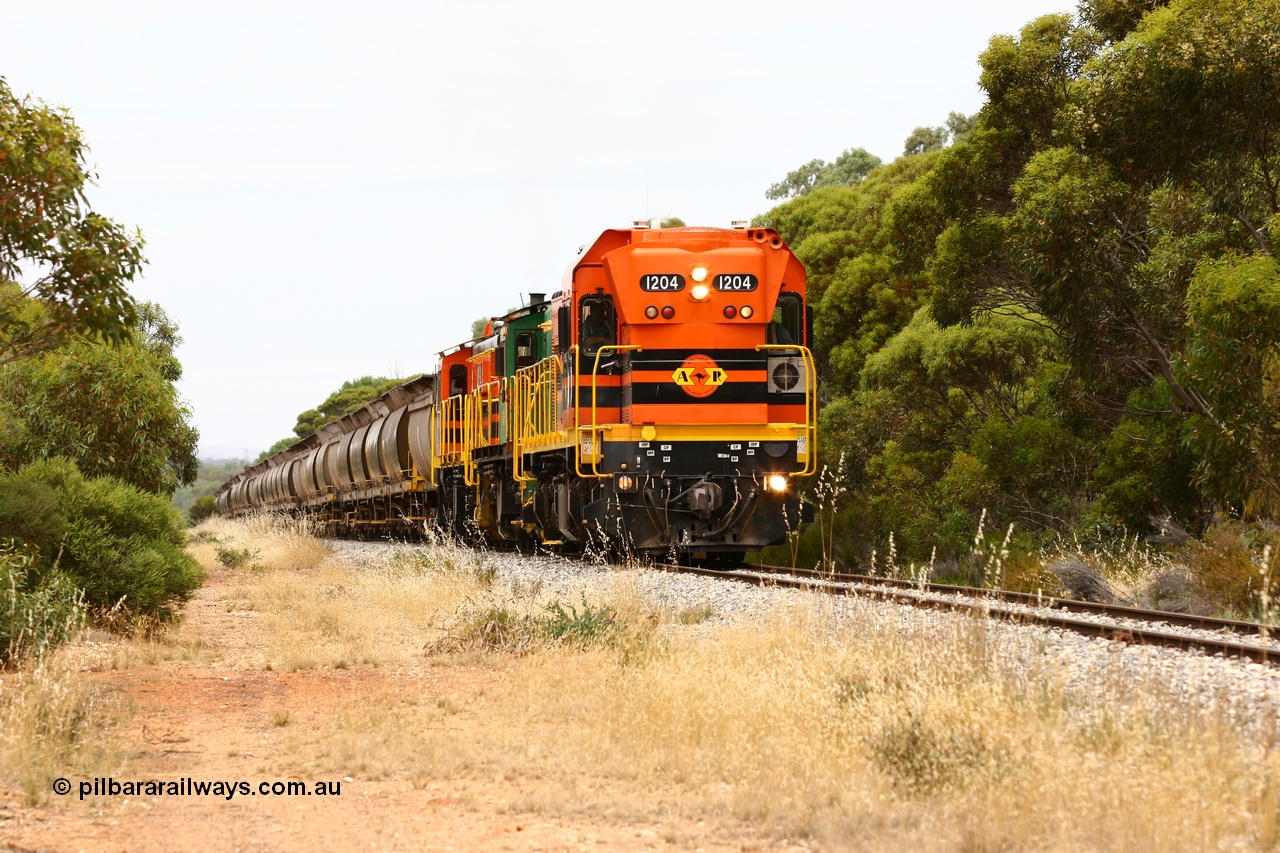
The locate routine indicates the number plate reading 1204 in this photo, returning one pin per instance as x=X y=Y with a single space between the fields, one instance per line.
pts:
x=736 y=282
x=662 y=283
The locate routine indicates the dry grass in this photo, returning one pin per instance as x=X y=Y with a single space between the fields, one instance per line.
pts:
x=334 y=615
x=52 y=721
x=880 y=736
x=879 y=732
x=176 y=643
x=272 y=541
x=53 y=724
x=1229 y=571
x=1228 y=565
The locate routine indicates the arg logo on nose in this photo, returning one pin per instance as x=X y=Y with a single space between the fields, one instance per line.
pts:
x=699 y=376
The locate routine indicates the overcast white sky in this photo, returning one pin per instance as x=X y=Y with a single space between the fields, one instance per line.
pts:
x=330 y=190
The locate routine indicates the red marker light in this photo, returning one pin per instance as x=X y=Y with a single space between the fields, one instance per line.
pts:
x=668 y=311
x=730 y=311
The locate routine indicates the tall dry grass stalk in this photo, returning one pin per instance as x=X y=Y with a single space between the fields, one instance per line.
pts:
x=272 y=541
x=53 y=725
x=1266 y=598
x=827 y=492
x=334 y=614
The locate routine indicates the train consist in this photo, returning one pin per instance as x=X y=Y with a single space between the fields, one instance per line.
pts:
x=662 y=402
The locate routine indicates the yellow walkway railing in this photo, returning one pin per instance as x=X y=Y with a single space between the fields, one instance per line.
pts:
x=532 y=412
x=449 y=447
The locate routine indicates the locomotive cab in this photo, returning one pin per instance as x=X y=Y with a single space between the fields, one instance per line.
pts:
x=688 y=385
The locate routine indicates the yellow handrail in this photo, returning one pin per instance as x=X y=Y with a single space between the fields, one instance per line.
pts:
x=477 y=426
x=470 y=428
x=597 y=436
x=534 y=421
x=449 y=446
x=515 y=425
x=810 y=425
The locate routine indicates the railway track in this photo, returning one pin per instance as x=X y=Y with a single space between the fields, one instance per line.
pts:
x=1227 y=637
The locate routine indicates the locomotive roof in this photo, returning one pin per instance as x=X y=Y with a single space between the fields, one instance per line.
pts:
x=616 y=238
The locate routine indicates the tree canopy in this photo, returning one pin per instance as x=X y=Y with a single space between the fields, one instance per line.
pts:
x=848 y=170
x=353 y=394
x=86 y=373
x=112 y=409
x=93 y=436
x=1061 y=312
x=54 y=248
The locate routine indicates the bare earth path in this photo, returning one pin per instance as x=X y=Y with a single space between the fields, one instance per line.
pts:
x=222 y=717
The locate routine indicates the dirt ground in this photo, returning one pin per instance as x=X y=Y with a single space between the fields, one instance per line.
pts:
x=219 y=718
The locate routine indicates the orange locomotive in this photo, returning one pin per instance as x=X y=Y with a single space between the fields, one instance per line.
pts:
x=661 y=402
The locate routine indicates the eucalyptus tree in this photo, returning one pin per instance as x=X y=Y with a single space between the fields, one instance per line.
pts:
x=54 y=248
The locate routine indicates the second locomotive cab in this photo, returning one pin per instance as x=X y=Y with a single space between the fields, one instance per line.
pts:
x=661 y=402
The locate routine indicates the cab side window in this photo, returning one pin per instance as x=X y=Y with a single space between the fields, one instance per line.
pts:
x=457 y=380
x=597 y=323
x=787 y=324
x=526 y=354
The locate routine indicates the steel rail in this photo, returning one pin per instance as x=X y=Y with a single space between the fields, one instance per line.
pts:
x=991 y=607
x=1030 y=599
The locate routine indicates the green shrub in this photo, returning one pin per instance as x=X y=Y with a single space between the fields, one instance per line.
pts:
x=573 y=626
x=34 y=618
x=31 y=513
x=233 y=558
x=121 y=546
x=204 y=507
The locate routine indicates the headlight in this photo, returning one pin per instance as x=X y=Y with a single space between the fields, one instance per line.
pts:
x=698 y=273
x=700 y=292
x=776 y=482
